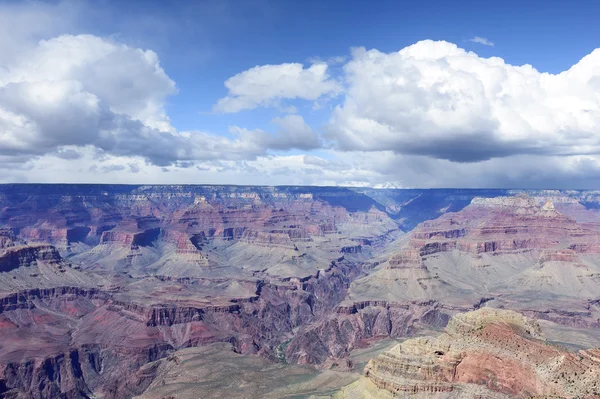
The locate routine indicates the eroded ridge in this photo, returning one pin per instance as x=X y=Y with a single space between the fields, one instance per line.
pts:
x=487 y=352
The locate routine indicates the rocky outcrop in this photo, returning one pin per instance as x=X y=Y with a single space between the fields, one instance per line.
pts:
x=299 y=274
x=356 y=323
x=59 y=236
x=24 y=256
x=351 y=249
x=268 y=239
x=188 y=248
x=25 y=299
x=490 y=225
x=8 y=238
x=406 y=259
x=60 y=376
x=559 y=255
x=266 y=318
x=428 y=235
x=81 y=373
x=495 y=350
x=114 y=339
x=133 y=239
x=521 y=251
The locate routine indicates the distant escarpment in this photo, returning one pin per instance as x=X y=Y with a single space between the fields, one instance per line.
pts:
x=24 y=256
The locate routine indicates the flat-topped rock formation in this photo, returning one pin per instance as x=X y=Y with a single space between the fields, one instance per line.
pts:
x=27 y=255
x=35 y=266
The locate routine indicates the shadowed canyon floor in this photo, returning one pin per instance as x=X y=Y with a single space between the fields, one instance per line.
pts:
x=166 y=291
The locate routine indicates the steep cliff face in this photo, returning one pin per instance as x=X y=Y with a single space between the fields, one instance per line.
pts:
x=8 y=238
x=519 y=253
x=69 y=332
x=82 y=372
x=354 y=324
x=56 y=235
x=110 y=340
x=25 y=256
x=56 y=377
x=491 y=350
x=134 y=239
x=269 y=239
x=35 y=267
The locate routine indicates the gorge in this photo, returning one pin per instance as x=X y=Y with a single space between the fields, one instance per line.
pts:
x=118 y=291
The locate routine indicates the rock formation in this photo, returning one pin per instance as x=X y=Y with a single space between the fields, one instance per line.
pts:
x=485 y=353
x=97 y=281
x=521 y=253
x=99 y=284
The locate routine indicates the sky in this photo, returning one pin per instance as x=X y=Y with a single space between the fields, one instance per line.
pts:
x=501 y=94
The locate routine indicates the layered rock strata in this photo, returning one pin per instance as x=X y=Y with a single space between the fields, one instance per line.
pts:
x=495 y=351
x=98 y=281
x=518 y=253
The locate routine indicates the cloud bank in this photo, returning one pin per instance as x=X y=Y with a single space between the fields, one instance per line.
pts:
x=86 y=91
x=83 y=108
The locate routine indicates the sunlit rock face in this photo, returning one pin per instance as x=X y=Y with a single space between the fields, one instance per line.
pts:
x=488 y=352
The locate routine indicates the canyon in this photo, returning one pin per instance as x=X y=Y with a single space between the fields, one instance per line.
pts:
x=119 y=291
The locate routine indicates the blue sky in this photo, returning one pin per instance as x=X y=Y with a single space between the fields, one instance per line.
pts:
x=202 y=44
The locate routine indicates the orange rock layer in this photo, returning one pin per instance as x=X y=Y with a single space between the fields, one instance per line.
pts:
x=500 y=350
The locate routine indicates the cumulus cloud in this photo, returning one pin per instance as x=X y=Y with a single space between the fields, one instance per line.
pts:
x=85 y=90
x=438 y=100
x=378 y=169
x=387 y=169
x=516 y=171
x=419 y=117
x=293 y=132
x=482 y=40
x=67 y=153
x=267 y=85
x=23 y=24
x=77 y=91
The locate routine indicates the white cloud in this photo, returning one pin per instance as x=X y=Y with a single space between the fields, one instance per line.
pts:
x=267 y=85
x=482 y=40
x=435 y=99
x=129 y=81
x=414 y=118
x=85 y=90
x=23 y=24
x=89 y=91
x=294 y=133
x=376 y=169
x=331 y=61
